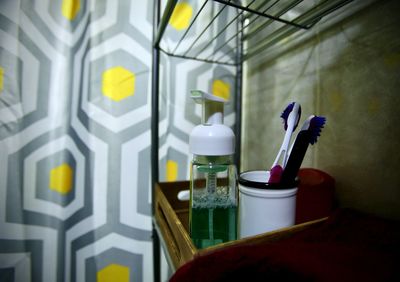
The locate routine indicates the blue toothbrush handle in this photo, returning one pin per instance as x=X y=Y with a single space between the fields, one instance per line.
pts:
x=296 y=157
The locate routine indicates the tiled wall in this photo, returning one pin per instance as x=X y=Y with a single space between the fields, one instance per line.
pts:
x=347 y=69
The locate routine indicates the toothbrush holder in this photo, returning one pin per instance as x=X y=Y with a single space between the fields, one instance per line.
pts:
x=264 y=207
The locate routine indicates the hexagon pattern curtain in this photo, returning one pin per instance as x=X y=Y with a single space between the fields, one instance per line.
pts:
x=75 y=195
x=178 y=112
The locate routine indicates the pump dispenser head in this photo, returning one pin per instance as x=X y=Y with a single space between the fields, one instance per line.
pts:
x=212 y=107
x=212 y=137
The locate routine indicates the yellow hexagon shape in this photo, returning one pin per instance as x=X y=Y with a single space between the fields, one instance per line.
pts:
x=180 y=18
x=113 y=273
x=1 y=79
x=70 y=8
x=118 y=83
x=221 y=89
x=61 y=179
x=171 y=170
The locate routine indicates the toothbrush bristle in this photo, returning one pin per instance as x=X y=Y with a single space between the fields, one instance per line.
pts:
x=316 y=125
x=298 y=120
x=285 y=114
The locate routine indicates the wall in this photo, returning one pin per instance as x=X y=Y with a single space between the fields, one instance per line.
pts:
x=348 y=70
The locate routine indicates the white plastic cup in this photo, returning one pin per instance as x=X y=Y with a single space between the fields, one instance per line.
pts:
x=264 y=207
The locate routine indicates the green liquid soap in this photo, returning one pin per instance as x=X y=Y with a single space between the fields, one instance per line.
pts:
x=213 y=225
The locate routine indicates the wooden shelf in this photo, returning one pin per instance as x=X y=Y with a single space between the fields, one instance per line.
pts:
x=172 y=221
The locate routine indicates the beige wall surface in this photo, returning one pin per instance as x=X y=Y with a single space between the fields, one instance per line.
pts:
x=347 y=70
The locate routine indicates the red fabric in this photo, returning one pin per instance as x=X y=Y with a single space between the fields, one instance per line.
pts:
x=315 y=195
x=350 y=246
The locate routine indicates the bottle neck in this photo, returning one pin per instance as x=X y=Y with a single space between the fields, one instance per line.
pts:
x=227 y=159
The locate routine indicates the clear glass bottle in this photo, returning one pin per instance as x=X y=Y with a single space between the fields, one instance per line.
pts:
x=213 y=200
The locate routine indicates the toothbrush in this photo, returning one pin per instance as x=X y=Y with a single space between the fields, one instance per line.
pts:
x=291 y=116
x=308 y=134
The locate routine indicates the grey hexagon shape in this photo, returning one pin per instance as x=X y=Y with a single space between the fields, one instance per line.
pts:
x=180 y=158
x=11 y=93
x=176 y=35
x=132 y=64
x=115 y=256
x=43 y=169
x=55 y=10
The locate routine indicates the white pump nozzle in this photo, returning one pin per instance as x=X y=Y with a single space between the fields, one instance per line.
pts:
x=213 y=107
x=212 y=137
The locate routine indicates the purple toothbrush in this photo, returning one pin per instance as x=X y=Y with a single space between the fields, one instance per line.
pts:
x=308 y=135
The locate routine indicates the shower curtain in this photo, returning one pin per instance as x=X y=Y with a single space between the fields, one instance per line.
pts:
x=75 y=140
x=75 y=192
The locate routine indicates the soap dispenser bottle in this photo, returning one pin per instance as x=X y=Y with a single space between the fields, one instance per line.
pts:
x=213 y=176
